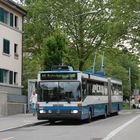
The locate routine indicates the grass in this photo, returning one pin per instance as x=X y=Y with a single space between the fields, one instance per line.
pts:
x=125 y=106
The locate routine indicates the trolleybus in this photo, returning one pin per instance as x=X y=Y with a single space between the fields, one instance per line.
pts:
x=67 y=94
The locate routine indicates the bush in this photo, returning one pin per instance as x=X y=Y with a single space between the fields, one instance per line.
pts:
x=126 y=105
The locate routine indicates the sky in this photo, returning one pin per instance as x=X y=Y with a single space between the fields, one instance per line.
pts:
x=16 y=0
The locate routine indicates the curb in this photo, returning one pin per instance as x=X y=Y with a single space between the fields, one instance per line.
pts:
x=23 y=125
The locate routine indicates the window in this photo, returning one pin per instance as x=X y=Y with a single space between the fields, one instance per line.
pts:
x=10 y=77
x=8 y=18
x=16 y=50
x=16 y=21
x=6 y=76
x=1 y=14
x=11 y=19
x=6 y=46
x=1 y=75
x=4 y=16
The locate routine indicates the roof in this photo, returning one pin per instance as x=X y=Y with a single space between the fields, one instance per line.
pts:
x=11 y=4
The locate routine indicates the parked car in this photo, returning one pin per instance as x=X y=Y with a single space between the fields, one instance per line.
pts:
x=137 y=105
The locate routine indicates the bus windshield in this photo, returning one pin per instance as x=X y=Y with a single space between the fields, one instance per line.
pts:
x=60 y=91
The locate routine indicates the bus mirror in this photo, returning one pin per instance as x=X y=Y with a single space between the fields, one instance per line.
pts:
x=36 y=84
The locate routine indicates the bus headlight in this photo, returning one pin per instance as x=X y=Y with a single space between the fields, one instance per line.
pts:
x=42 y=111
x=74 y=111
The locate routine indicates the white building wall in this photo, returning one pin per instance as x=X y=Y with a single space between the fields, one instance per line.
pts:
x=13 y=100
x=14 y=35
x=10 y=62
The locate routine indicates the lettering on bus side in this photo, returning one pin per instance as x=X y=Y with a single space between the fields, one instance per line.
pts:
x=99 y=89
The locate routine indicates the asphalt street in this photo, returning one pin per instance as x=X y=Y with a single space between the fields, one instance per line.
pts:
x=124 y=126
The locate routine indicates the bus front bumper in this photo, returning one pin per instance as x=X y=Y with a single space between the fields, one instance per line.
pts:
x=59 y=115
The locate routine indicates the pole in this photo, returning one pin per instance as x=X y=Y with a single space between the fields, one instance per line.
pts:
x=102 y=62
x=94 y=63
x=130 y=87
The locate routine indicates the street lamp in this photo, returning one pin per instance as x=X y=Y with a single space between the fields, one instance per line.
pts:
x=130 y=87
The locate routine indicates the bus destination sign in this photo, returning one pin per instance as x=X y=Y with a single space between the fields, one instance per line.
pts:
x=58 y=76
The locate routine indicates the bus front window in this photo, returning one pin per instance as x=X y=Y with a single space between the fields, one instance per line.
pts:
x=70 y=90
x=60 y=91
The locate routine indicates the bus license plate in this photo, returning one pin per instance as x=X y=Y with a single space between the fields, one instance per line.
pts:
x=57 y=111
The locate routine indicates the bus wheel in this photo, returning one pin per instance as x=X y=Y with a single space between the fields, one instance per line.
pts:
x=89 y=117
x=52 y=121
x=105 y=113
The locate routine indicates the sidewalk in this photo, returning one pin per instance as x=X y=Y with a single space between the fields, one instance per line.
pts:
x=19 y=120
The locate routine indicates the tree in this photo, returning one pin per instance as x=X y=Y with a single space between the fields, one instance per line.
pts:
x=87 y=25
x=117 y=65
x=54 y=48
x=92 y=24
x=37 y=24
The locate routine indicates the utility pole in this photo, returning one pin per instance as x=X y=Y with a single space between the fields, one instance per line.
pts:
x=130 y=87
x=94 y=63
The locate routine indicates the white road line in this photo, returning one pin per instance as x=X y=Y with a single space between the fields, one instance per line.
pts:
x=117 y=130
x=8 y=138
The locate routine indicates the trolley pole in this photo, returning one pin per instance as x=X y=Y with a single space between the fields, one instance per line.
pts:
x=130 y=87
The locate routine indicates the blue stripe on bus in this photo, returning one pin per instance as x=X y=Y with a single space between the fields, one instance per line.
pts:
x=97 y=109
x=59 y=107
x=93 y=106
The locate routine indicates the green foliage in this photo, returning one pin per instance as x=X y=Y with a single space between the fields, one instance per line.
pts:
x=54 y=49
x=31 y=66
x=87 y=26
x=126 y=106
x=37 y=24
x=118 y=64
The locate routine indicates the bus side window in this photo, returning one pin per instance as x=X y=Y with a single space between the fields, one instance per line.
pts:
x=84 y=86
x=84 y=92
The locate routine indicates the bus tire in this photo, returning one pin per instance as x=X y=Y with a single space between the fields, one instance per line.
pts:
x=118 y=109
x=89 y=116
x=52 y=121
x=105 y=113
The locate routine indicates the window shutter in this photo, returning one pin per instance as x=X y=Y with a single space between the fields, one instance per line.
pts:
x=10 y=77
x=1 y=75
x=11 y=19
x=1 y=14
x=15 y=76
x=6 y=46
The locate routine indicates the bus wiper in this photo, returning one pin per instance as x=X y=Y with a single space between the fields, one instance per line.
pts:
x=68 y=100
x=68 y=95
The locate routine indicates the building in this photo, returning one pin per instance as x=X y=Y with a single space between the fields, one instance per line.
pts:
x=11 y=34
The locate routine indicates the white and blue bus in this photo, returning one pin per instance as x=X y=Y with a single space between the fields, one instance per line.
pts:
x=68 y=94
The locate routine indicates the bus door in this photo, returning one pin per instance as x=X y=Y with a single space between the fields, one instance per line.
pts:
x=109 y=97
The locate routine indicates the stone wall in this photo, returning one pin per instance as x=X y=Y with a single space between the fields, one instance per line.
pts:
x=3 y=104
x=16 y=108
x=12 y=102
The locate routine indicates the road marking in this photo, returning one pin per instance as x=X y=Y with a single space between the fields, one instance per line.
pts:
x=8 y=138
x=117 y=130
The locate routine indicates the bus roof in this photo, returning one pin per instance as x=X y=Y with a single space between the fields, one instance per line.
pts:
x=94 y=77
x=99 y=78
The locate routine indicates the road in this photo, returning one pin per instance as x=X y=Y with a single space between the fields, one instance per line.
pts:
x=125 y=126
